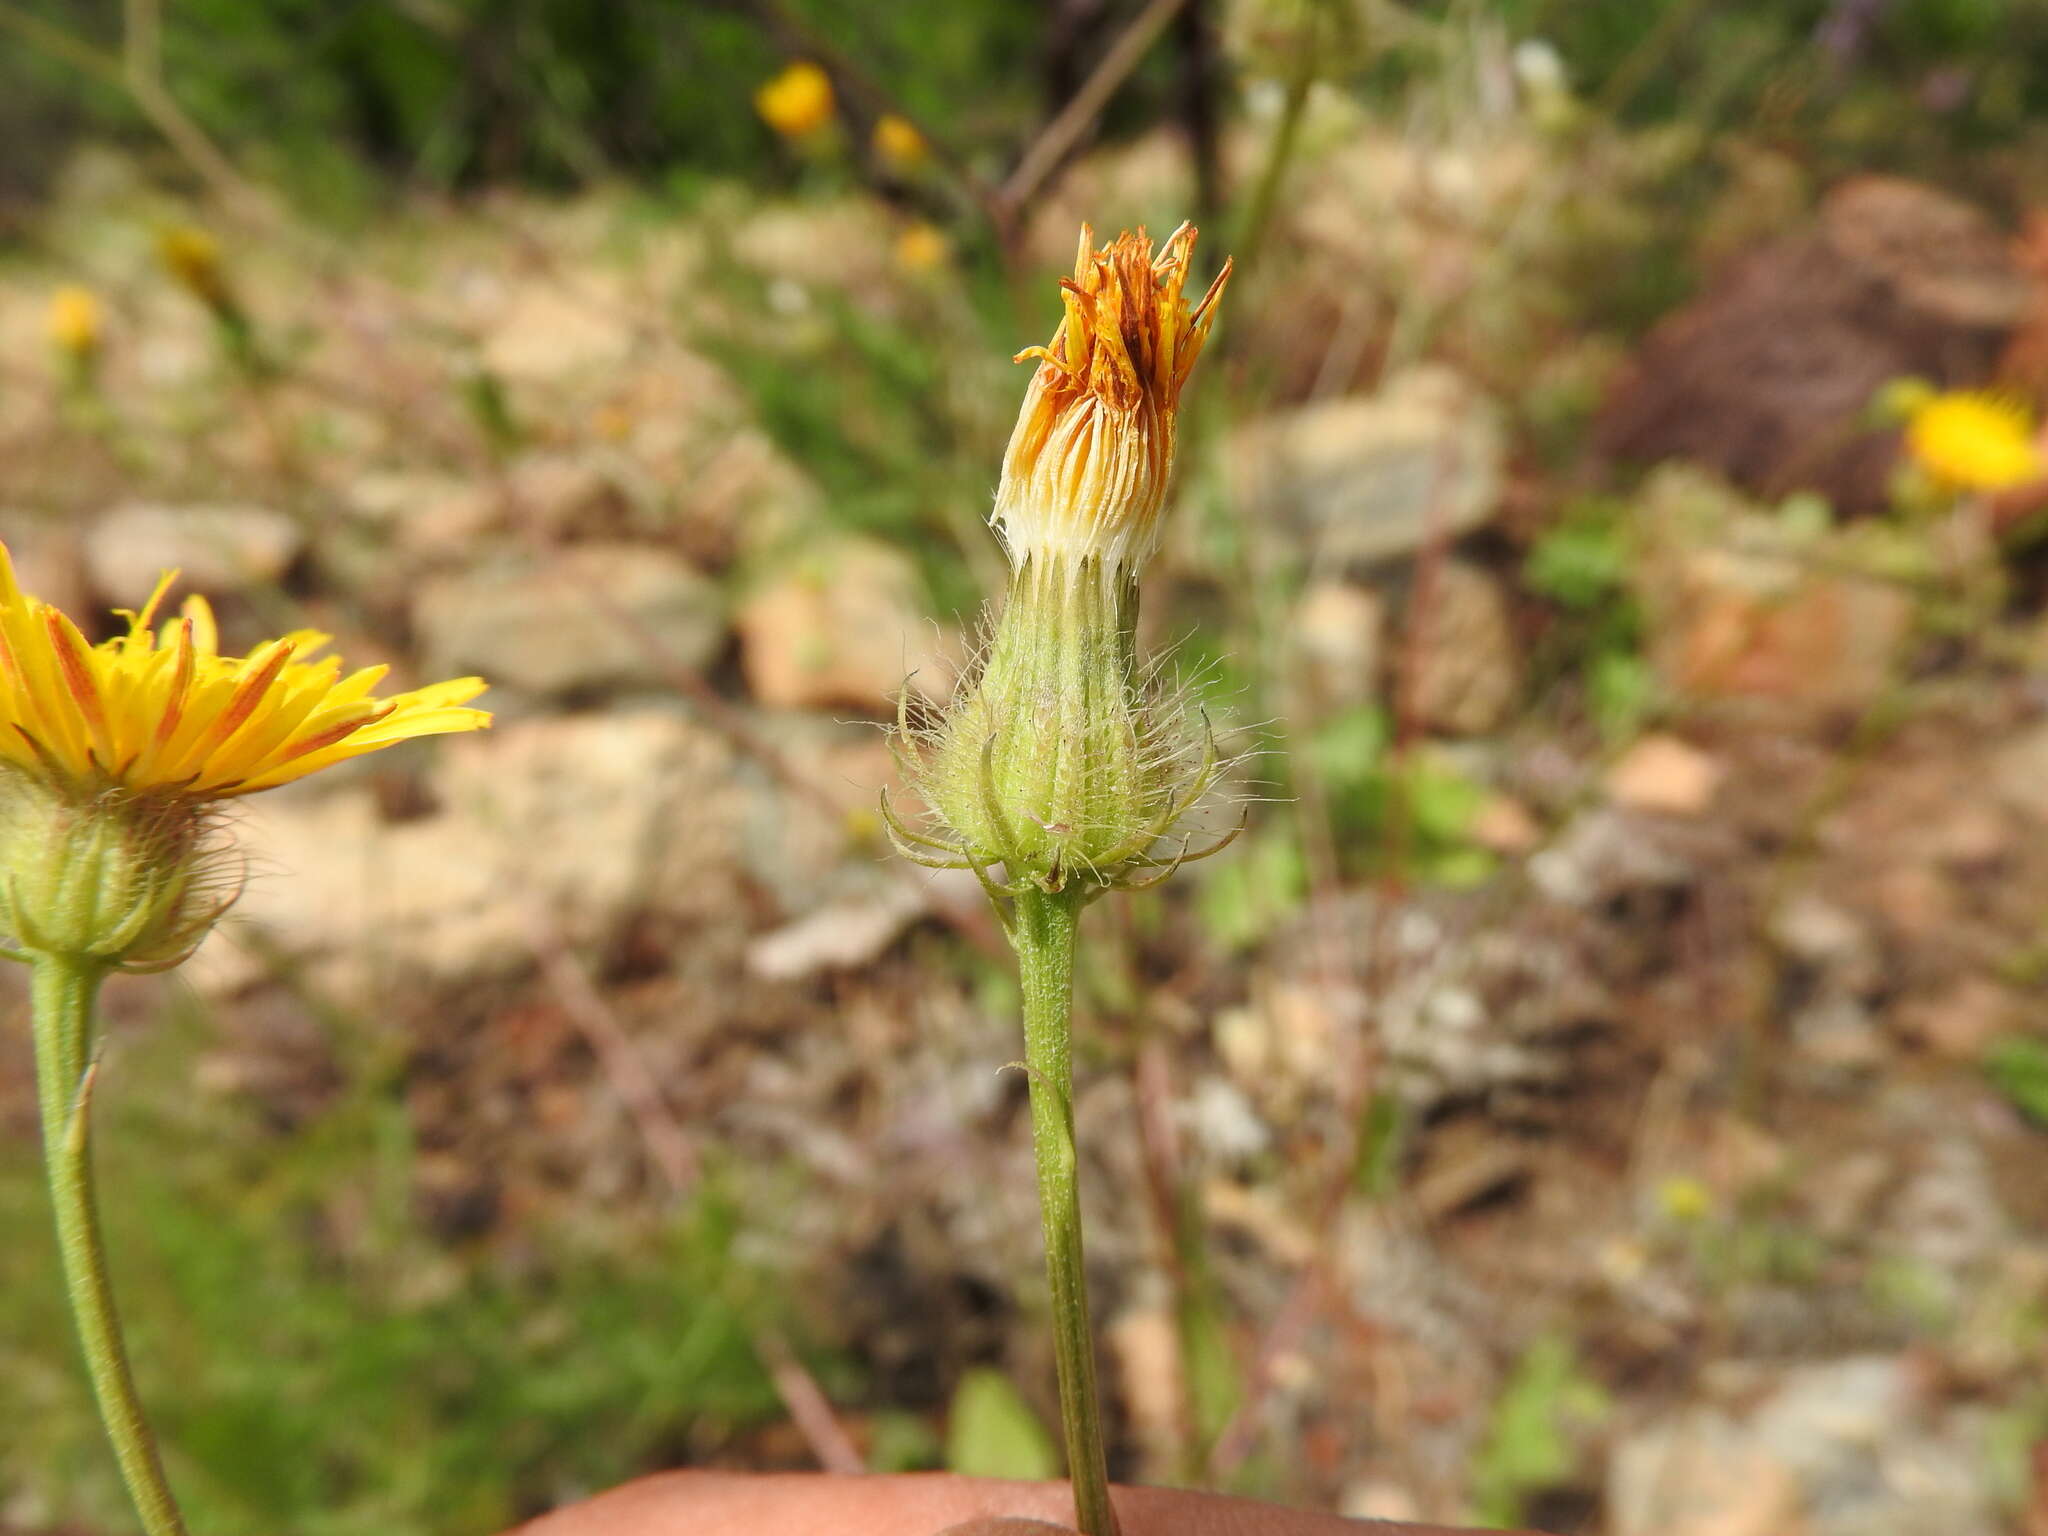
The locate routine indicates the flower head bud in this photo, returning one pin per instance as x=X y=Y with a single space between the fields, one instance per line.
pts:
x=797 y=102
x=1063 y=759
x=123 y=880
x=113 y=755
x=898 y=144
x=75 y=322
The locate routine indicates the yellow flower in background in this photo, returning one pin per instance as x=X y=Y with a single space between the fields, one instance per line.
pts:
x=192 y=256
x=158 y=711
x=898 y=142
x=76 y=322
x=922 y=247
x=1972 y=441
x=1086 y=470
x=797 y=102
x=1684 y=1199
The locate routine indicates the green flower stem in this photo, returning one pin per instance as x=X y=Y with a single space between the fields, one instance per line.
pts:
x=63 y=991
x=1044 y=932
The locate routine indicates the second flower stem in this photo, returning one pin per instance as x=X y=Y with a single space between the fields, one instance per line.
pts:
x=1044 y=932
x=63 y=990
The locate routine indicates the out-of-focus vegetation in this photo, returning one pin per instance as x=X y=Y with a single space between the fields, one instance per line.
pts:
x=314 y=1359
x=1601 y=1089
x=336 y=102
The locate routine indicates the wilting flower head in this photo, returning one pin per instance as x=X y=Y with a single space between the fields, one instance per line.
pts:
x=112 y=754
x=76 y=324
x=1062 y=759
x=1086 y=470
x=797 y=102
x=1968 y=440
x=898 y=142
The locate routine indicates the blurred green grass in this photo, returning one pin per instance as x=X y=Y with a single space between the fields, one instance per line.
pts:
x=318 y=1360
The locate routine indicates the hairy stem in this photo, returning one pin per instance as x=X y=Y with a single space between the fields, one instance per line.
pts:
x=64 y=988
x=1046 y=923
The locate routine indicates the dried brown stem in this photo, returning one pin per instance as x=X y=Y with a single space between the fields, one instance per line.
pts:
x=1056 y=140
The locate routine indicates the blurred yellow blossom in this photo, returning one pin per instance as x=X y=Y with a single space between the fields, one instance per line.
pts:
x=192 y=256
x=898 y=142
x=1972 y=441
x=76 y=321
x=922 y=247
x=1684 y=1199
x=797 y=102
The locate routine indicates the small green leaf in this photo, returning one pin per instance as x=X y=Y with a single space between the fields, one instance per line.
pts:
x=903 y=1442
x=1534 y=1439
x=1580 y=563
x=2018 y=1067
x=1349 y=747
x=1248 y=896
x=1382 y=1140
x=992 y=1431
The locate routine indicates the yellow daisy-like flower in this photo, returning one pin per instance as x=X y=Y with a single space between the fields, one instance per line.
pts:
x=898 y=142
x=1973 y=441
x=1086 y=470
x=797 y=102
x=111 y=756
x=75 y=321
x=160 y=712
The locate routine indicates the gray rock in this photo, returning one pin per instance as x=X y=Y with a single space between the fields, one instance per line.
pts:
x=1339 y=635
x=1222 y=1123
x=1365 y=478
x=562 y=828
x=1830 y=939
x=219 y=548
x=1604 y=853
x=1468 y=666
x=1946 y=1217
x=596 y=616
x=1479 y=1013
x=1848 y=1447
x=423 y=512
x=1838 y=1036
x=2019 y=773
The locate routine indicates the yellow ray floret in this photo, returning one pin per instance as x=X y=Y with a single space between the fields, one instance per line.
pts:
x=1086 y=471
x=1973 y=441
x=159 y=711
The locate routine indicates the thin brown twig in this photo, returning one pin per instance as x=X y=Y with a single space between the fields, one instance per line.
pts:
x=809 y=1409
x=1057 y=139
x=668 y=1145
x=674 y=1157
x=1159 y=1147
x=1355 y=1075
x=142 y=68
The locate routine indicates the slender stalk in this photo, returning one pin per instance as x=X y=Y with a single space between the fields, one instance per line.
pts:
x=63 y=991
x=1044 y=932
